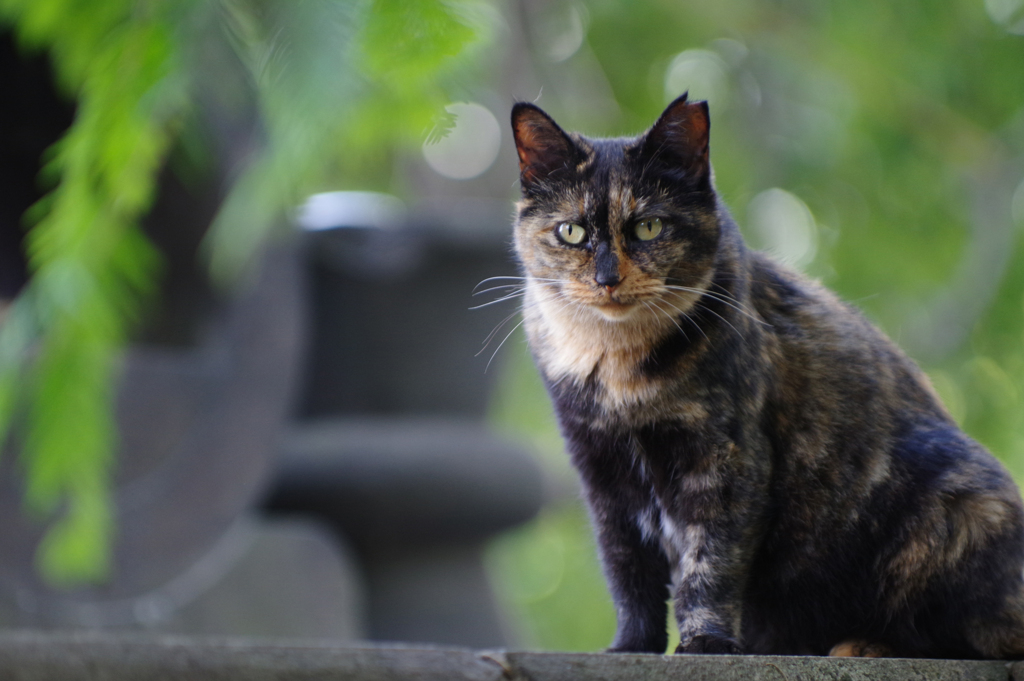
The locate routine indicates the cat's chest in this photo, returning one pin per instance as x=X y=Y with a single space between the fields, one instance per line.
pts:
x=603 y=365
x=612 y=375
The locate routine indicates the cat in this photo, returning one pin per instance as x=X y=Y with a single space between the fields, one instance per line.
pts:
x=749 y=446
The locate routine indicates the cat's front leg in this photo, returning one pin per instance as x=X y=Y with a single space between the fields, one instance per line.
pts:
x=711 y=518
x=623 y=510
x=707 y=598
x=638 y=577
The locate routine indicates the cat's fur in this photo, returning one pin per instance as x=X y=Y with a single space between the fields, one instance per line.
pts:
x=750 y=446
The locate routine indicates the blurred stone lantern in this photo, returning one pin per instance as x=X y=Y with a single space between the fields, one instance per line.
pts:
x=353 y=339
x=390 y=446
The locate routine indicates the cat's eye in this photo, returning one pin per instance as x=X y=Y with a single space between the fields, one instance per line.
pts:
x=571 y=234
x=647 y=229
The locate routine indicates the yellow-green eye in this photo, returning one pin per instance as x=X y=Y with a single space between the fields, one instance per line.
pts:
x=648 y=229
x=571 y=234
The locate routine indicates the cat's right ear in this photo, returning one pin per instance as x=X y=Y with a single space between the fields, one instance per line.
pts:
x=679 y=139
x=544 y=149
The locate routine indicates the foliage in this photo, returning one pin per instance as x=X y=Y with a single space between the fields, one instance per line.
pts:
x=90 y=263
x=327 y=85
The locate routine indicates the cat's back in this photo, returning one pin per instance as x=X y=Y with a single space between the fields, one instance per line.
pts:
x=825 y=351
x=843 y=412
x=866 y=463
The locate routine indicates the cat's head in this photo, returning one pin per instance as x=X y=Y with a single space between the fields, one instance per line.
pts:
x=617 y=227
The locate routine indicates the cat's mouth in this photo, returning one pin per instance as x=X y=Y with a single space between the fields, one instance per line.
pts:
x=614 y=310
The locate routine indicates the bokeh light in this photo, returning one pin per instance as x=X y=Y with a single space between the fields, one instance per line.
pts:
x=471 y=145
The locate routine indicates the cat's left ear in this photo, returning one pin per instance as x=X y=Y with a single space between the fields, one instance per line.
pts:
x=544 y=148
x=680 y=138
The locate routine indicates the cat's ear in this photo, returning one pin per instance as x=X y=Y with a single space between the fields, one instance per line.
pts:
x=680 y=138
x=544 y=149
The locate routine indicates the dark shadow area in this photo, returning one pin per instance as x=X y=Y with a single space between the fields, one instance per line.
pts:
x=34 y=116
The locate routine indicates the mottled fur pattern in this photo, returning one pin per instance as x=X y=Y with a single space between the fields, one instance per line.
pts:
x=751 y=447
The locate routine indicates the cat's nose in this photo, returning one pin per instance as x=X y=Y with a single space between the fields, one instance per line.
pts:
x=608 y=280
x=606 y=267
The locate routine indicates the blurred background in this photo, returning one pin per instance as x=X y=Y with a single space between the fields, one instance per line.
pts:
x=241 y=386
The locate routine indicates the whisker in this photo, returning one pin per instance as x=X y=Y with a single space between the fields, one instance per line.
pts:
x=541 y=294
x=497 y=288
x=705 y=307
x=495 y=354
x=670 y=317
x=555 y=297
x=558 y=298
x=494 y=331
x=510 y=296
x=720 y=275
x=861 y=300
x=689 y=319
x=502 y=278
x=696 y=326
x=511 y=278
x=731 y=302
x=654 y=157
x=717 y=296
x=714 y=284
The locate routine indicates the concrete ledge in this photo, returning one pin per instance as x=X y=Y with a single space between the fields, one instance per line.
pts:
x=596 y=667
x=39 y=656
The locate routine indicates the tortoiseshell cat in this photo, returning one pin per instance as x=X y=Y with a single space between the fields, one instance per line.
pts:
x=749 y=445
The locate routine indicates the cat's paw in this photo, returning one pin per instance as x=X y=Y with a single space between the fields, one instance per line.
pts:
x=623 y=649
x=638 y=647
x=856 y=648
x=639 y=637
x=709 y=644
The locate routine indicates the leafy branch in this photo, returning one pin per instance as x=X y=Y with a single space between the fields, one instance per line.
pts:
x=334 y=83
